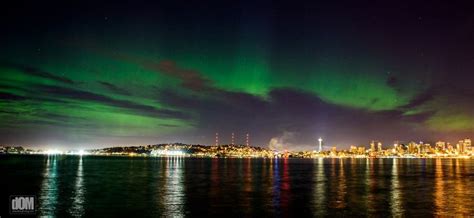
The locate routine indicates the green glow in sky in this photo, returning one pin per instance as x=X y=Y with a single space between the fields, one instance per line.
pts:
x=114 y=74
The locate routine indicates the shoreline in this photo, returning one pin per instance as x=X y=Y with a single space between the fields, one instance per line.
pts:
x=231 y=157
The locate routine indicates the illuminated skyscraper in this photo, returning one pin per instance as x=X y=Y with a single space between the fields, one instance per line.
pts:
x=449 y=146
x=361 y=150
x=411 y=147
x=353 y=149
x=461 y=146
x=320 y=140
x=467 y=144
x=440 y=146
x=464 y=145
x=334 y=150
x=217 y=138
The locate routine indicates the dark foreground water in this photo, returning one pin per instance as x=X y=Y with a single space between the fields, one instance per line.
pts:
x=135 y=186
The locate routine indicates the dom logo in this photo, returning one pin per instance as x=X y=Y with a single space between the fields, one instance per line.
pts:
x=22 y=204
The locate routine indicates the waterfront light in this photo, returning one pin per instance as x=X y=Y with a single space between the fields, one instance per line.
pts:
x=168 y=153
x=52 y=152
x=82 y=152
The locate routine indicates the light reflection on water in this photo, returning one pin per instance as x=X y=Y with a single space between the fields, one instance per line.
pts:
x=276 y=199
x=340 y=199
x=439 y=187
x=320 y=188
x=371 y=185
x=177 y=186
x=77 y=208
x=396 y=198
x=173 y=196
x=48 y=198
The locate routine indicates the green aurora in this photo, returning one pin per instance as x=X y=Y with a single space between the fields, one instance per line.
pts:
x=90 y=85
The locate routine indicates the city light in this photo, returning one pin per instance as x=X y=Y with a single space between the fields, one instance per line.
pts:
x=82 y=152
x=167 y=153
x=375 y=149
x=52 y=152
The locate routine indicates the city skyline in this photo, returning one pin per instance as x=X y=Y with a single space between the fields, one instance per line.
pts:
x=461 y=147
x=441 y=149
x=89 y=74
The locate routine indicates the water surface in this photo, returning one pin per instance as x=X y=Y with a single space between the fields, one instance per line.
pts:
x=131 y=186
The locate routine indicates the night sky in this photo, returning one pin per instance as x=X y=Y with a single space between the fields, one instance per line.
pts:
x=112 y=73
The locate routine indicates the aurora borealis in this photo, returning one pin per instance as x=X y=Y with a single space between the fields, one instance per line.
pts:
x=102 y=74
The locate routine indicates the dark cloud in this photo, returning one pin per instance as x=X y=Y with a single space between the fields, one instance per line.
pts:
x=394 y=82
x=40 y=73
x=190 y=79
x=12 y=87
x=289 y=110
x=423 y=97
x=29 y=94
x=74 y=94
x=58 y=117
x=10 y=97
x=419 y=117
x=169 y=125
x=457 y=95
x=114 y=88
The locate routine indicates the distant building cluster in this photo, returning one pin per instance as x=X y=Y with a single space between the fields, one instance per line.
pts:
x=15 y=150
x=179 y=149
x=462 y=149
